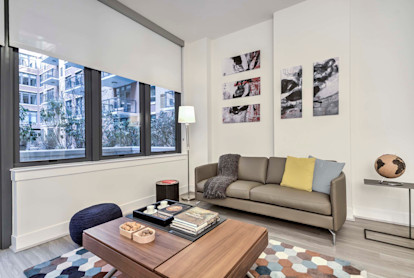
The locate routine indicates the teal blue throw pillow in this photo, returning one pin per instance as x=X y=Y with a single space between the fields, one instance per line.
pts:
x=325 y=171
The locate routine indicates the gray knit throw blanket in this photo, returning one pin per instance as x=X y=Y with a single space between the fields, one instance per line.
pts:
x=228 y=166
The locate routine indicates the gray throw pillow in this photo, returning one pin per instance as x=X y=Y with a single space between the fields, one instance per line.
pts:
x=325 y=171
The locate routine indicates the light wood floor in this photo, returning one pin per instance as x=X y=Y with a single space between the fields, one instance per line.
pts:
x=380 y=260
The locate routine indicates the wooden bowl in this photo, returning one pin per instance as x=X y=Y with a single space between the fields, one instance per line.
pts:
x=129 y=234
x=138 y=237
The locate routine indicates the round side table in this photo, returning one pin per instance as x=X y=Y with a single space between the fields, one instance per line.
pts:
x=167 y=189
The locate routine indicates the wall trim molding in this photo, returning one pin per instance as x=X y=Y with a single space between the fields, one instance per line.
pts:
x=350 y=214
x=40 y=172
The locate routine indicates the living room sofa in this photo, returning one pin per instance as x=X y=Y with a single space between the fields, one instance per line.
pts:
x=258 y=190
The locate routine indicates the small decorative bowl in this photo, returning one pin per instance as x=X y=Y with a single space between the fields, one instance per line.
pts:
x=140 y=238
x=129 y=234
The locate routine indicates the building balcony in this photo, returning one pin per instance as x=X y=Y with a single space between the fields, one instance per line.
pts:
x=51 y=61
x=75 y=85
x=114 y=81
x=51 y=77
x=72 y=65
x=120 y=106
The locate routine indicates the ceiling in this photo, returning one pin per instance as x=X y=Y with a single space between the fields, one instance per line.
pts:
x=191 y=20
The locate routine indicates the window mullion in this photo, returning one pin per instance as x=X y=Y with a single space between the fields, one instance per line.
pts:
x=146 y=149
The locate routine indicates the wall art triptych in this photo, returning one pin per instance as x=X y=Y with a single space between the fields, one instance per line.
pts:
x=241 y=114
x=241 y=88
x=325 y=89
x=241 y=63
x=291 y=93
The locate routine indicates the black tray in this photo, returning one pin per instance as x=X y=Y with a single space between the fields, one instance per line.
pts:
x=139 y=213
x=168 y=229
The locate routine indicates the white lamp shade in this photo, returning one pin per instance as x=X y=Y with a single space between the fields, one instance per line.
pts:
x=186 y=115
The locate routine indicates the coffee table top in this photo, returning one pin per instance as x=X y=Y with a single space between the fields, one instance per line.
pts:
x=229 y=250
x=149 y=255
x=218 y=252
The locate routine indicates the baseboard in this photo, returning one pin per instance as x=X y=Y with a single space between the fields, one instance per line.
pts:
x=382 y=215
x=28 y=240
x=350 y=214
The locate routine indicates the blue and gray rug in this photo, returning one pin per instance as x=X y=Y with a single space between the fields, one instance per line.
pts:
x=277 y=260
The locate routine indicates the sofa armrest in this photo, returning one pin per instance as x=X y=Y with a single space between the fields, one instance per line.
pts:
x=338 y=201
x=205 y=171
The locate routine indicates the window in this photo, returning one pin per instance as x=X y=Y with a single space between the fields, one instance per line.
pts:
x=79 y=107
x=136 y=118
x=56 y=133
x=50 y=95
x=163 y=123
x=29 y=117
x=27 y=79
x=68 y=106
x=28 y=61
x=121 y=131
x=28 y=98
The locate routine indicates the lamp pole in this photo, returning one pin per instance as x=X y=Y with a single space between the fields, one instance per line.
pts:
x=186 y=116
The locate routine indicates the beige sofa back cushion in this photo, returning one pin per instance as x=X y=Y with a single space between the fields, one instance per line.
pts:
x=253 y=169
x=275 y=169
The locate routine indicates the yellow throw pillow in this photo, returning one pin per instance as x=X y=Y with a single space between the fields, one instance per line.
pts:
x=299 y=173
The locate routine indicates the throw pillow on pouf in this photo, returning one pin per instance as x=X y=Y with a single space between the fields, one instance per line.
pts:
x=298 y=173
x=91 y=217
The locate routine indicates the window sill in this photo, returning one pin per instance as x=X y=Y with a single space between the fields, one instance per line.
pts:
x=52 y=170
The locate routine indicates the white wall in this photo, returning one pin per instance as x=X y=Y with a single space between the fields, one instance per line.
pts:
x=312 y=31
x=249 y=139
x=382 y=86
x=45 y=198
x=196 y=75
x=374 y=41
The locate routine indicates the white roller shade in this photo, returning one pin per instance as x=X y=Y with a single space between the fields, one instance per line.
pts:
x=89 y=33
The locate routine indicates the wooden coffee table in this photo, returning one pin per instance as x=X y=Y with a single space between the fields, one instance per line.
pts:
x=229 y=250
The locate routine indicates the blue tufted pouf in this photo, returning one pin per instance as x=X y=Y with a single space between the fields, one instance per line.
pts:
x=91 y=217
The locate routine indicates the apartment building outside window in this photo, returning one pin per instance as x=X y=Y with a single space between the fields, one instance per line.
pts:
x=47 y=131
x=163 y=122
x=121 y=123
x=136 y=118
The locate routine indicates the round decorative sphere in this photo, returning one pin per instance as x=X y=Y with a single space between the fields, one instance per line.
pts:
x=390 y=166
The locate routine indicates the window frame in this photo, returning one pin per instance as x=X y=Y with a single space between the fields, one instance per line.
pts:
x=141 y=129
x=177 y=104
x=16 y=125
x=93 y=120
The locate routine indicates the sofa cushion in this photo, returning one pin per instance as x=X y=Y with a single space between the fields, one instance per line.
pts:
x=292 y=198
x=325 y=172
x=200 y=185
x=275 y=169
x=241 y=189
x=299 y=173
x=253 y=169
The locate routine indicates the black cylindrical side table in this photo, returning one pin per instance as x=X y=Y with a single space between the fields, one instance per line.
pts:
x=167 y=189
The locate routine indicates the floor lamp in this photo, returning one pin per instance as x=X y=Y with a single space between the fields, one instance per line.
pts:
x=186 y=116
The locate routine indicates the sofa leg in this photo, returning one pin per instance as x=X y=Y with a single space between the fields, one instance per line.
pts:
x=333 y=236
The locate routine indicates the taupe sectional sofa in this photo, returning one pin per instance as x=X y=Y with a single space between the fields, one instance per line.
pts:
x=258 y=190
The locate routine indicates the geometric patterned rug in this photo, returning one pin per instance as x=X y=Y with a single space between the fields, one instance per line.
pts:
x=285 y=260
x=278 y=260
x=75 y=264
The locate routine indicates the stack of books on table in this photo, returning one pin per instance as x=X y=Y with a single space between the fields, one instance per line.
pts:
x=194 y=221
